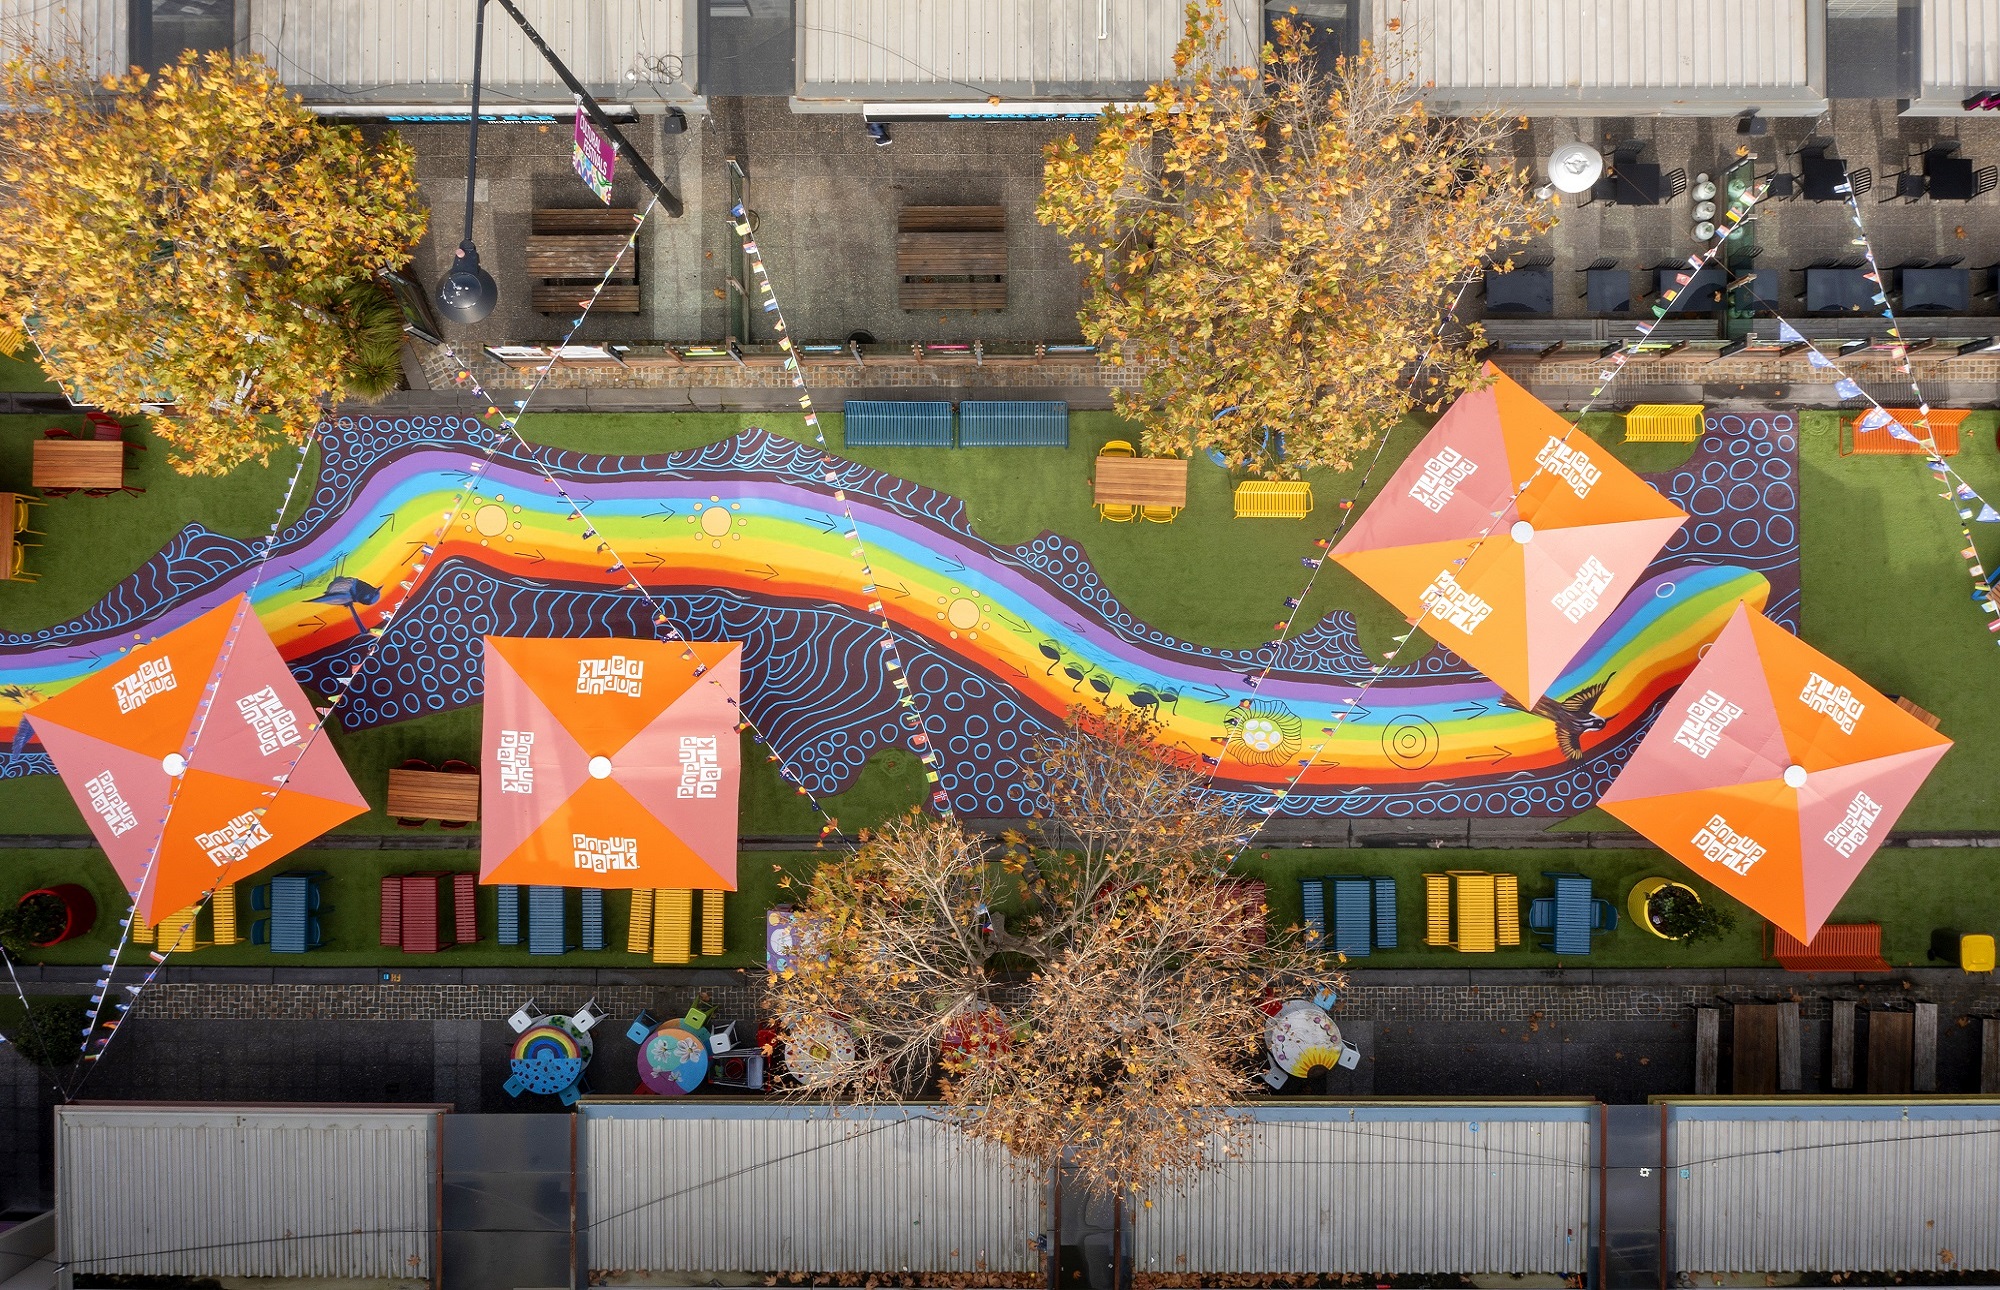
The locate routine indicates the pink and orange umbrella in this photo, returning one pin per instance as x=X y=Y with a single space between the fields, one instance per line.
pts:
x=610 y=763
x=1555 y=560
x=186 y=743
x=1775 y=773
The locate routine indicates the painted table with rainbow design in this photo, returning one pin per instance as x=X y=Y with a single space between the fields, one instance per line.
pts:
x=550 y=1056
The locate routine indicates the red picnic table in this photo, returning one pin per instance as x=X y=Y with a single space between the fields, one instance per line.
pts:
x=413 y=907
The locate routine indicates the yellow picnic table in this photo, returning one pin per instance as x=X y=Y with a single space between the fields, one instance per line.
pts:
x=1477 y=908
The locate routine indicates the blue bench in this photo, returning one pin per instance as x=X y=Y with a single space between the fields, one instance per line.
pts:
x=1013 y=425
x=507 y=901
x=1312 y=895
x=879 y=423
x=1385 y=913
x=592 y=899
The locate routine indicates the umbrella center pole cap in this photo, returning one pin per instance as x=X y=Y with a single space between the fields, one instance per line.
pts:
x=1795 y=777
x=174 y=764
x=1522 y=532
x=600 y=767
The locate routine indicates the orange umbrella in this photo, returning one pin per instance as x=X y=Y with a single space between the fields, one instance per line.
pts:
x=1557 y=559
x=610 y=763
x=1774 y=773
x=184 y=743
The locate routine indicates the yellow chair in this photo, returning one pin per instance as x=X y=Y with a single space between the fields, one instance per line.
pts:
x=1437 y=909
x=1162 y=514
x=673 y=926
x=1118 y=513
x=1507 y=908
x=19 y=571
x=21 y=505
x=639 y=928
x=222 y=914
x=176 y=931
x=711 y=923
x=1117 y=448
x=1473 y=893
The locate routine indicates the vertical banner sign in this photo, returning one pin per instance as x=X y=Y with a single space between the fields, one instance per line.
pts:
x=593 y=156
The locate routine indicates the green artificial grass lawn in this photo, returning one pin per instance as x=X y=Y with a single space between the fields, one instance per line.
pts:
x=1885 y=593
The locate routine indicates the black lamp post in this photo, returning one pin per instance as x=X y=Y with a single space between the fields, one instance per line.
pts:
x=468 y=293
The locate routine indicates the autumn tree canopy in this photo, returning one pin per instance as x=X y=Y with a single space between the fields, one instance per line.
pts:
x=1277 y=244
x=195 y=236
x=1094 y=994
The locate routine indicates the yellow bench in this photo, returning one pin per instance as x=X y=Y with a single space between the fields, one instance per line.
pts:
x=1266 y=499
x=1474 y=890
x=639 y=929
x=1437 y=909
x=673 y=926
x=222 y=913
x=1664 y=423
x=711 y=923
x=1507 y=914
x=176 y=931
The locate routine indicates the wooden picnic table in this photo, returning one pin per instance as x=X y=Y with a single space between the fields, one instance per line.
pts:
x=433 y=795
x=79 y=463
x=1140 y=481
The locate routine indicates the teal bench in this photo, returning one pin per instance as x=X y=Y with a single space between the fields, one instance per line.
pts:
x=883 y=423
x=1013 y=424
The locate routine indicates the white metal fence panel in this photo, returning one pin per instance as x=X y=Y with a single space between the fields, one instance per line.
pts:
x=1960 y=46
x=162 y=1191
x=794 y=1189
x=90 y=33
x=332 y=50
x=973 y=49
x=1387 y=1191
x=1836 y=1189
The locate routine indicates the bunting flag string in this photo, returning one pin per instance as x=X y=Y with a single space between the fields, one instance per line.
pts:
x=1739 y=210
x=907 y=695
x=1957 y=490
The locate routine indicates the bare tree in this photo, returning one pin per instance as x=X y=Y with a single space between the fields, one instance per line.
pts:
x=1092 y=995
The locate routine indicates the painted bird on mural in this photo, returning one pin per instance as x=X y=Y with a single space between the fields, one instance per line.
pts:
x=1572 y=716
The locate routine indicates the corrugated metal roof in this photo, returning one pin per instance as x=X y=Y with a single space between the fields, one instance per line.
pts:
x=1961 y=47
x=1384 y=1189
x=975 y=49
x=701 y=1189
x=163 y=1191
x=1835 y=1187
x=93 y=31
x=333 y=51
x=1630 y=55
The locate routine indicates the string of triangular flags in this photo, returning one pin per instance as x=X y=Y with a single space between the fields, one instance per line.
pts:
x=92 y=1043
x=913 y=712
x=1282 y=629
x=1972 y=508
x=1739 y=210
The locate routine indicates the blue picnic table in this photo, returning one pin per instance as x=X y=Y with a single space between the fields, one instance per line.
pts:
x=1353 y=916
x=293 y=900
x=546 y=933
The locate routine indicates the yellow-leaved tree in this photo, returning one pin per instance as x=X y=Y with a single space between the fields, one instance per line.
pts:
x=196 y=237
x=1278 y=245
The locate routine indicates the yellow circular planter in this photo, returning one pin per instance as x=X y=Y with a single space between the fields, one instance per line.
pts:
x=1642 y=891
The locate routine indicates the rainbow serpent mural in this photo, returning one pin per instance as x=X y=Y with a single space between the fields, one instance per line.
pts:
x=999 y=641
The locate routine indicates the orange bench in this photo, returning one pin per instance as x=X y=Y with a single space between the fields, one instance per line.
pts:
x=1880 y=443
x=1839 y=947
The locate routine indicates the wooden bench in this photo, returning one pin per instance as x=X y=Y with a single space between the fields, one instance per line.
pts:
x=1664 y=423
x=1878 y=442
x=951 y=257
x=1839 y=947
x=1260 y=499
x=569 y=252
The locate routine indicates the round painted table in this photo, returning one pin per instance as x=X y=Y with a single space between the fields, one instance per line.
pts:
x=819 y=1049
x=674 y=1059
x=977 y=1034
x=550 y=1055
x=1303 y=1038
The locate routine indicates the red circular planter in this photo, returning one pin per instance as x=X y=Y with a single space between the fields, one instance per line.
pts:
x=79 y=910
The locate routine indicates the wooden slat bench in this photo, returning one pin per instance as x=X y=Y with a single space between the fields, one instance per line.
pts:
x=1264 y=499
x=1664 y=423
x=1880 y=443
x=1839 y=947
x=569 y=252
x=951 y=257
